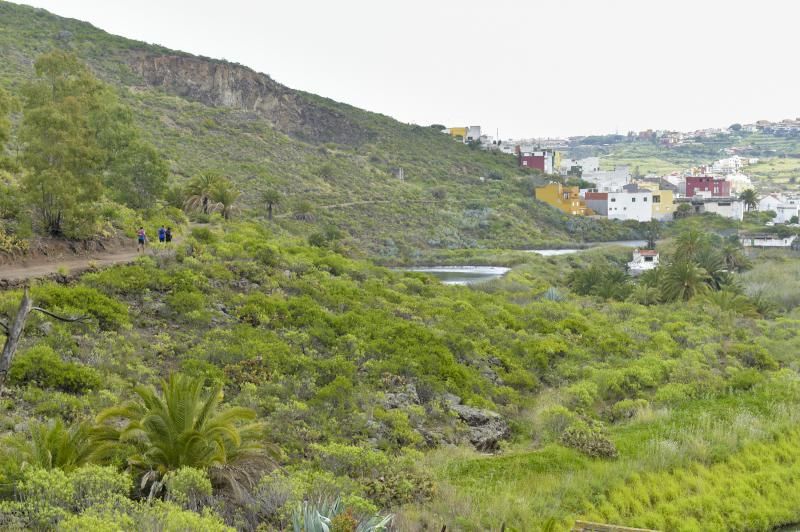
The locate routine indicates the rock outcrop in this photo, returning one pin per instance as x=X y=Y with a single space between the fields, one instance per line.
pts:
x=486 y=428
x=221 y=84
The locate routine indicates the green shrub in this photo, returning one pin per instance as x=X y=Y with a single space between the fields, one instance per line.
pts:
x=189 y=487
x=627 y=408
x=589 y=441
x=42 y=366
x=93 y=484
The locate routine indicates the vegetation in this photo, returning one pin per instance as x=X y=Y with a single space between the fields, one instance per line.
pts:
x=269 y=375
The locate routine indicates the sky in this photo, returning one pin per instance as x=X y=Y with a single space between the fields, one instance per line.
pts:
x=525 y=68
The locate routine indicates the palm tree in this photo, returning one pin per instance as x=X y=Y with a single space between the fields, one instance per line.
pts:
x=732 y=255
x=729 y=301
x=713 y=263
x=272 y=198
x=689 y=242
x=750 y=199
x=683 y=280
x=199 y=191
x=653 y=233
x=54 y=445
x=183 y=425
x=224 y=198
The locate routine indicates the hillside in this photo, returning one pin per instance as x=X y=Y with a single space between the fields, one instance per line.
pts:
x=261 y=375
x=208 y=114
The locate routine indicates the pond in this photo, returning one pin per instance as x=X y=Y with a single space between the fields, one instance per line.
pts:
x=462 y=275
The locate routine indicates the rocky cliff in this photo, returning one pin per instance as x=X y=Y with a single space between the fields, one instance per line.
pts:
x=218 y=83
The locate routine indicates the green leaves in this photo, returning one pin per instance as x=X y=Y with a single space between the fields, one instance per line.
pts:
x=183 y=425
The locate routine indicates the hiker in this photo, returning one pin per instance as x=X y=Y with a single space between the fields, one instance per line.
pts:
x=142 y=239
x=168 y=235
x=162 y=234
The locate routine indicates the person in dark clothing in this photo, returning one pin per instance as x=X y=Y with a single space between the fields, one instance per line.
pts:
x=162 y=234
x=168 y=235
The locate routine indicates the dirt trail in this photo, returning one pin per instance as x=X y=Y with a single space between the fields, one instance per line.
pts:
x=35 y=268
x=70 y=265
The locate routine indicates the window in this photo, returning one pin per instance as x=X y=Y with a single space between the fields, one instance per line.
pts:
x=656 y=199
x=633 y=200
x=613 y=199
x=644 y=199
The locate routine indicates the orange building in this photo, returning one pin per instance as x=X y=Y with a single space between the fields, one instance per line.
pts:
x=567 y=199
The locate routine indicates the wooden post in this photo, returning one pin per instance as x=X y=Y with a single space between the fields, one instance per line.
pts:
x=14 y=333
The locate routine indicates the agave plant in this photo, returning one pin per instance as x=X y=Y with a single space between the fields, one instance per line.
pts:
x=323 y=515
x=183 y=425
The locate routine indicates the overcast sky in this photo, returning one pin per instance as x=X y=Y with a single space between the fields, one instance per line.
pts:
x=527 y=68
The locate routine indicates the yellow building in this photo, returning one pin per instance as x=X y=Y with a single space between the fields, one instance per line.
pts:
x=457 y=132
x=567 y=199
x=663 y=200
x=663 y=205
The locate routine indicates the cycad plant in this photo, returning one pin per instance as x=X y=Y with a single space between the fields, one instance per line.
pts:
x=54 y=445
x=200 y=189
x=183 y=425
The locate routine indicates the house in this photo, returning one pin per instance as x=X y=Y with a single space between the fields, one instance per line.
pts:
x=473 y=134
x=579 y=167
x=731 y=165
x=729 y=207
x=543 y=160
x=609 y=180
x=767 y=241
x=458 y=133
x=643 y=260
x=567 y=199
x=707 y=186
x=597 y=201
x=630 y=206
x=739 y=182
x=663 y=206
x=785 y=207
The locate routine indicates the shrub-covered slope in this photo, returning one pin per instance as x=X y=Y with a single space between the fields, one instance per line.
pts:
x=205 y=114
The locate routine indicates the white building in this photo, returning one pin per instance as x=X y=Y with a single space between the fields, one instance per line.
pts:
x=473 y=134
x=609 y=180
x=785 y=207
x=630 y=206
x=587 y=164
x=643 y=260
x=731 y=165
x=726 y=207
x=767 y=241
x=739 y=182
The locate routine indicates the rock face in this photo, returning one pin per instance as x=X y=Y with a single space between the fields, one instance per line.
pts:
x=221 y=84
x=486 y=428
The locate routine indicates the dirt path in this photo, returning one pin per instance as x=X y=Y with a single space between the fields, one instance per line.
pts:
x=38 y=268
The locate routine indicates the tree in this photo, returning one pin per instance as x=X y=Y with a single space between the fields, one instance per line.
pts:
x=139 y=176
x=62 y=111
x=736 y=127
x=652 y=232
x=750 y=199
x=689 y=243
x=7 y=104
x=182 y=424
x=684 y=210
x=733 y=256
x=16 y=327
x=271 y=198
x=224 y=197
x=199 y=191
x=682 y=280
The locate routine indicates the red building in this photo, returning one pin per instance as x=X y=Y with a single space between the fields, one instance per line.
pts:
x=705 y=185
x=543 y=160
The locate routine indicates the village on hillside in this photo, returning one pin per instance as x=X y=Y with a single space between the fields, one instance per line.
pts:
x=579 y=187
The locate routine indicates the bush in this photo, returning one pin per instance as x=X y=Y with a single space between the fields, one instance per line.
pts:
x=42 y=366
x=589 y=441
x=93 y=484
x=189 y=487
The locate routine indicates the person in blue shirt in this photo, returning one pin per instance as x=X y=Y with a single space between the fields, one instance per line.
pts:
x=162 y=234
